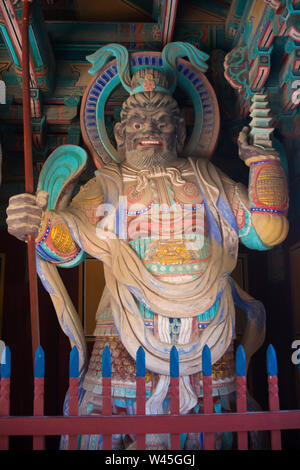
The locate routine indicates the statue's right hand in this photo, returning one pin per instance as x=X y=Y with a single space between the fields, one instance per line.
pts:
x=24 y=214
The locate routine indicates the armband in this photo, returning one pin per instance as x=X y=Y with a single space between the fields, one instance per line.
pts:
x=54 y=242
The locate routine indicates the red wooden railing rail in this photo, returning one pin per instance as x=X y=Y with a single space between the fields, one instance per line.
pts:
x=227 y=422
x=106 y=425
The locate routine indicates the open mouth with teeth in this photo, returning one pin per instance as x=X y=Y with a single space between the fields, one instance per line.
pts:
x=151 y=142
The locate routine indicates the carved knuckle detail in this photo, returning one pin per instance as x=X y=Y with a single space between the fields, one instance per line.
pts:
x=21 y=199
x=20 y=212
x=20 y=235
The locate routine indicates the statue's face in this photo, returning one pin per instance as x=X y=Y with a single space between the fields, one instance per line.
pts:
x=149 y=137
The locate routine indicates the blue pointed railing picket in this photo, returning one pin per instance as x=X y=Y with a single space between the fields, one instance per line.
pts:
x=241 y=391
x=207 y=424
x=208 y=405
x=174 y=394
x=273 y=393
x=38 y=400
x=5 y=372
x=73 y=391
x=140 y=393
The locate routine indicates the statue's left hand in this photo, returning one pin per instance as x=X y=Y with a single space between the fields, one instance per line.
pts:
x=248 y=152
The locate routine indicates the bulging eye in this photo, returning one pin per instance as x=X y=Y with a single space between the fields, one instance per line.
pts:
x=137 y=125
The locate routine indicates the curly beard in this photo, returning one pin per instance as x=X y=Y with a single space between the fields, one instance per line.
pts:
x=150 y=158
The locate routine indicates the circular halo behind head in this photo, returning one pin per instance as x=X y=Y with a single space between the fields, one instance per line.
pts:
x=204 y=137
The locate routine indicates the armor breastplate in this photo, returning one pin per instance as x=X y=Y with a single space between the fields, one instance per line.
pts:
x=166 y=227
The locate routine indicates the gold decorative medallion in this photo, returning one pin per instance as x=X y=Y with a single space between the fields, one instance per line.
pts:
x=171 y=252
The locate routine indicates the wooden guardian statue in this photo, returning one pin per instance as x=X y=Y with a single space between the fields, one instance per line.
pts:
x=166 y=223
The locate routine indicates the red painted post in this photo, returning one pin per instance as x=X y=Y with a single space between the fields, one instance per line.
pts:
x=140 y=409
x=174 y=394
x=208 y=405
x=241 y=392
x=4 y=408
x=140 y=394
x=73 y=408
x=175 y=409
x=106 y=395
x=274 y=406
x=106 y=410
x=5 y=361
x=38 y=410
x=29 y=181
x=73 y=392
x=241 y=407
x=273 y=394
x=38 y=400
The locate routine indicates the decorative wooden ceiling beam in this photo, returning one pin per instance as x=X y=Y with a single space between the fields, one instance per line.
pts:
x=140 y=6
x=166 y=20
x=74 y=41
x=234 y=17
x=218 y=8
x=268 y=36
x=41 y=61
x=41 y=57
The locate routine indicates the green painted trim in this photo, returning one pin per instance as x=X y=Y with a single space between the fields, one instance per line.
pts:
x=34 y=47
x=9 y=45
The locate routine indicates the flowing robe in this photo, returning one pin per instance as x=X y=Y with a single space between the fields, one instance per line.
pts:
x=143 y=304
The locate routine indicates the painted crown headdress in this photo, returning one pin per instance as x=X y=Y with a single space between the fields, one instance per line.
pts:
x=113 y=65
x=149 y=80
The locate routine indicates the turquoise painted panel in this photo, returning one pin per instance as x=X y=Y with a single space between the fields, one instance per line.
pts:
x=9 y=45
x=34 y=47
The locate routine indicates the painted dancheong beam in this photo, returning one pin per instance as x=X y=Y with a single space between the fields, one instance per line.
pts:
x=166 y=20
x=259 y=23
x=41 y=61
x=41 y=56
x=11 y=31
